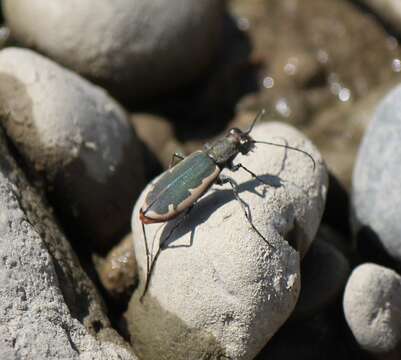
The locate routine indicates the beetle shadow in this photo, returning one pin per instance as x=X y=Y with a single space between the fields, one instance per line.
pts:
x=205 y=207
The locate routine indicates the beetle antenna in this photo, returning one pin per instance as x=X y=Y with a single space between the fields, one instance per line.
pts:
x=290 y=148
x=260 y=114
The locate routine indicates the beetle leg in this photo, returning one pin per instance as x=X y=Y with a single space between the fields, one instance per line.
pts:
x=233 y=167
x=146 y=248
x=173 y=157
x=245 y=208
x=159 y=250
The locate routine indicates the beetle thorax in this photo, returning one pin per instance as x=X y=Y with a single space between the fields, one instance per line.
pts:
x=223 y=151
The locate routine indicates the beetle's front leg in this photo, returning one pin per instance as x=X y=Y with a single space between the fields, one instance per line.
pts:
x=236 y=167
x=223 y=179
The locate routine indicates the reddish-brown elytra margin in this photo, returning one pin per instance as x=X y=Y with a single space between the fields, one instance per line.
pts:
x=178 y=188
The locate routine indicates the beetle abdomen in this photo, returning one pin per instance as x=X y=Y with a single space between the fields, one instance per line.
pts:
x=179 y=187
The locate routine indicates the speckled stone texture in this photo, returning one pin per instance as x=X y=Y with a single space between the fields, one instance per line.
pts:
x=372 y=308
x=49 y=309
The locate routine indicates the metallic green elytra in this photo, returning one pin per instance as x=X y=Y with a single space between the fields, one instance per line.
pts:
x=178 y=188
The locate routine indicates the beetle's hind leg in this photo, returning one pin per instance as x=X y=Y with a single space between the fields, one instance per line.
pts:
x=245 y=208
x=151 y=262
x=146 y=249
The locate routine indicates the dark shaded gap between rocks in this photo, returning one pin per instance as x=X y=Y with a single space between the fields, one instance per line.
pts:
x=322 y=336
x=337 y=210
x=366 y=9
x=370 y=249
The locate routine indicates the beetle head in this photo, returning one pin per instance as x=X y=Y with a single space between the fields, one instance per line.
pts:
x=245 y=143
x=242 y=140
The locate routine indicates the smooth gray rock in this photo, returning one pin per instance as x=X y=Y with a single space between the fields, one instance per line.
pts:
x=338 y=131
x=217 y=287
x=49 y=309
x=324 y=272
x=372 y=308
x=78 y=138
x=135 y=48
x=376 y=189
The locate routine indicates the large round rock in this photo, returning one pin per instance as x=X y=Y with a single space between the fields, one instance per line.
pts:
x=372 y=308
x=219 y=289
x=77 y=137
x=133 y=47
x=376 y=179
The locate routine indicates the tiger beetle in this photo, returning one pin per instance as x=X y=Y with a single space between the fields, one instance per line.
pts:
x=178 y=188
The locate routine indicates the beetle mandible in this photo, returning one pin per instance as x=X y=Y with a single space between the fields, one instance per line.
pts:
x=179 y=187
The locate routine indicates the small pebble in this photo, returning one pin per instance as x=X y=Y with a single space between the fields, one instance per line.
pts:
x=118 y=271
x=372 y=308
